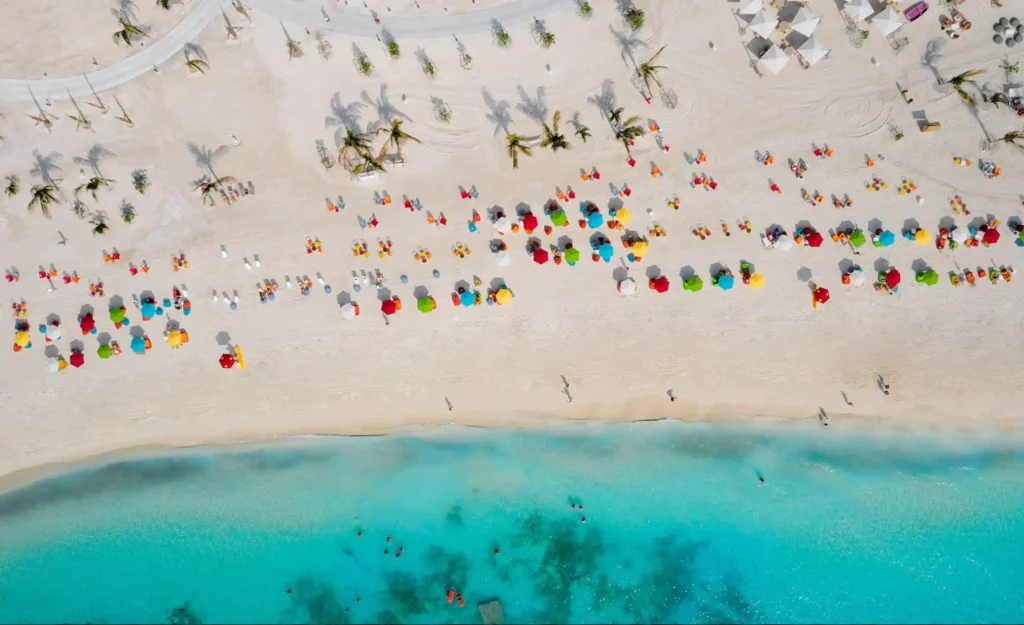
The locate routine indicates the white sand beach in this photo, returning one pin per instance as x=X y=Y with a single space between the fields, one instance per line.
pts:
x=952 y=356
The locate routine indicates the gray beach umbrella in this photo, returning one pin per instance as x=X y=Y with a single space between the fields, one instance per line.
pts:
x=1003 y=22
x=997 y=27
x=1014 y=21
x=1010 y=43
x=1018 y=37
x=997 y=39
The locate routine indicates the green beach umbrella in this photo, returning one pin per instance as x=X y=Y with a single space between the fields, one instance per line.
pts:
x=425 y=304
x=117 y=315
x=929 y=277
x=558 y=218
x=572 y=256
x=104 y=351
x=693 y=284
x=857 y=238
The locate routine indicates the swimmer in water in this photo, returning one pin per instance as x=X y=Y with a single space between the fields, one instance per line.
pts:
x=497 y=550
x=761 y=479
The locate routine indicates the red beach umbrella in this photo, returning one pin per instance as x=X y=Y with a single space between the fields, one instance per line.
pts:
x=892 y=279
x=388 y=307
x=530 y=223
x=991 y=236
x=77 y=359
x=659 y=284
x=815 y=239
x=540 y=256
x=88 y=324
x=821 y=295
x=227 y=361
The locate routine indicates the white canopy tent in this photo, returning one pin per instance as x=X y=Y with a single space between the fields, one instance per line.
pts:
x=887 y=22
x=750 y=7
x=858 y=10
x=774 y=59
x=763 y=23
x=857 y=277
x=804 y=22
x=812 y=51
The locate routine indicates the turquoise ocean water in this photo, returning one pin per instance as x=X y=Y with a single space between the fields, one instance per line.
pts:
x=678 y=529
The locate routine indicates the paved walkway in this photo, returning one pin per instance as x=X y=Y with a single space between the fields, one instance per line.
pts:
x=307 y=14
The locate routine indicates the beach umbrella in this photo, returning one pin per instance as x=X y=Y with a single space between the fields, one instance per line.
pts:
x=138 y=345
x=763 y=23
x=659 y=284
x=804 y=22
x=857 y=277
x=858 y=10
x=929 y=277
x=239 y=358
x=812 y=51
x=503 y=258
x=389 y=307
x=820 y=295
x=892 y=278
x=815 y=239
x=606 y=251
x=22 y=339
x=693 y=284
x=774 y=59
x=784 y=242
x=540 y=256
x=77 y=359
x=53 y=330
x=991 y=236
x=467 y=298
x=530 y=223
x=887 y=22
x=226 y=361
x=623 y=216
x=627 y=286
x=960 y=235
x=572 y=256
x=922 y=237
x=503 y=225
x=503 y=296
x=751 y=7
x=425 y=304
x=87 y=323
x=857 y=238
x=348 y=311
x=726 y=282
x=885 y=239
x=104 y=351
x=52 y=365
x=148 y=310
x=174 y=338
x=595 y=220
x=558 y=218
x=117 y=315
x=1020 y=239
x=756 y=281
x=639 y=249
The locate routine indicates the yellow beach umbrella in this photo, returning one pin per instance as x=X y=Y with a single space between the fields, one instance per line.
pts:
x=503 y=296
x=922 y=237
x=239 y=358
x=639 y=249
x=756 y=281
x=21 y=339
x=174 y=339
x=623 y=216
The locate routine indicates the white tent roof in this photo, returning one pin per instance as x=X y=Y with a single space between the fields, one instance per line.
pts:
x=804 y=22
x=887 y=22
x=750 y=7
x=348 y=311
x=503 y=258
x=812 y=51
x=774 y=59
x=763 y=23
x=858 y=10
x=503 y=225
x=627 y=286
x=857 y=277
x=784 y=242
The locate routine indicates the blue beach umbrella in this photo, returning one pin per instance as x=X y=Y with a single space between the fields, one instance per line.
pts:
x=595 y=220
x=885 y=239
x=148 y=310
x=606 y=252
x=138 y=345
x=467 y=299
x=726 y=282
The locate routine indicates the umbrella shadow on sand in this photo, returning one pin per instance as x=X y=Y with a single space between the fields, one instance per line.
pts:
x=137 y=332
x=919 y=266
x=77 y=346
x=52 y=351
x=687 y=272
x=344 y=298
x=911 y=225
x=653 y=272
x=223 y=338
x=86 y=310
x=619 y=274
x=716 y=268
x=420 y=292
x=116 y=301
x=52 y=318
x=103 y=338
x=523 y=209
x=846 y=265
x=882 y=265
x=803 y=274
x=384 y=294
x=497 y=283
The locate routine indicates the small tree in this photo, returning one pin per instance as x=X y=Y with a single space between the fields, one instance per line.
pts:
x=582 y=132
x=958 y=82
x=13 y=186
x=503 y=38
x=140 y=180
x=429 y=69
x=197 y=65
x=648 y=71
x=1012 y=138
x=325 y=157
x=78 y=208
x=294 y=51
x=127 y=211
x=547 y=39
x=552 y=138
x=364 y=65
x=127 y=32
x=465 y=60
x=997 y=98
x=585 y=8
x=394 y=51
x=99 y=225
x=516 y=146
x=43 y=195
x=93 y=185
x=164 y=4
x=634 y=18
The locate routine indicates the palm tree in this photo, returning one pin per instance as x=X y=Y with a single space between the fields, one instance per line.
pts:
x=13 y=185
x=126 y=32
x=552 y=138
x=368 y=163
x=93 y=185
x=628 y=131
x=582 y=132
x=207 y=186
x=354 y=143
x=615 y=116
x=197 y=65
x=1012 y=137
x=997 y=98
x=99 y=225
x=395 y=136
x=42 y=196
x=958 y=82
x=648 y=71
x=516 y=146
x=164 y=4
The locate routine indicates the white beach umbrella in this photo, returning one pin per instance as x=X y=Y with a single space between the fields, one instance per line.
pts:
x=857 y=277
x=503 y=225
x=53 y=332
x=804 y=22
x=52 y=365
x=812 y=51
x=960 y=235
x=858 y=10
x=503 y=258
x=774 y=59
x=750 y=7
x=627 y=286
x=784 y=242
x=887 y=22
x=763 y=23
x=348 y=311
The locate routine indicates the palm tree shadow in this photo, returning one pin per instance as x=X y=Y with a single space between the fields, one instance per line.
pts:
x=45 y=165
x=534 y=108
x=386 y=111
x=126 y=11
x=345 y=117
x=205 y=156
x=196 y=51
x=604 y=100
x=96 y=153
x=498 y=115
x=628 y=44
x=932 y=54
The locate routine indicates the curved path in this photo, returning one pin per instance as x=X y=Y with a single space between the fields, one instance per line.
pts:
x=307 y=14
